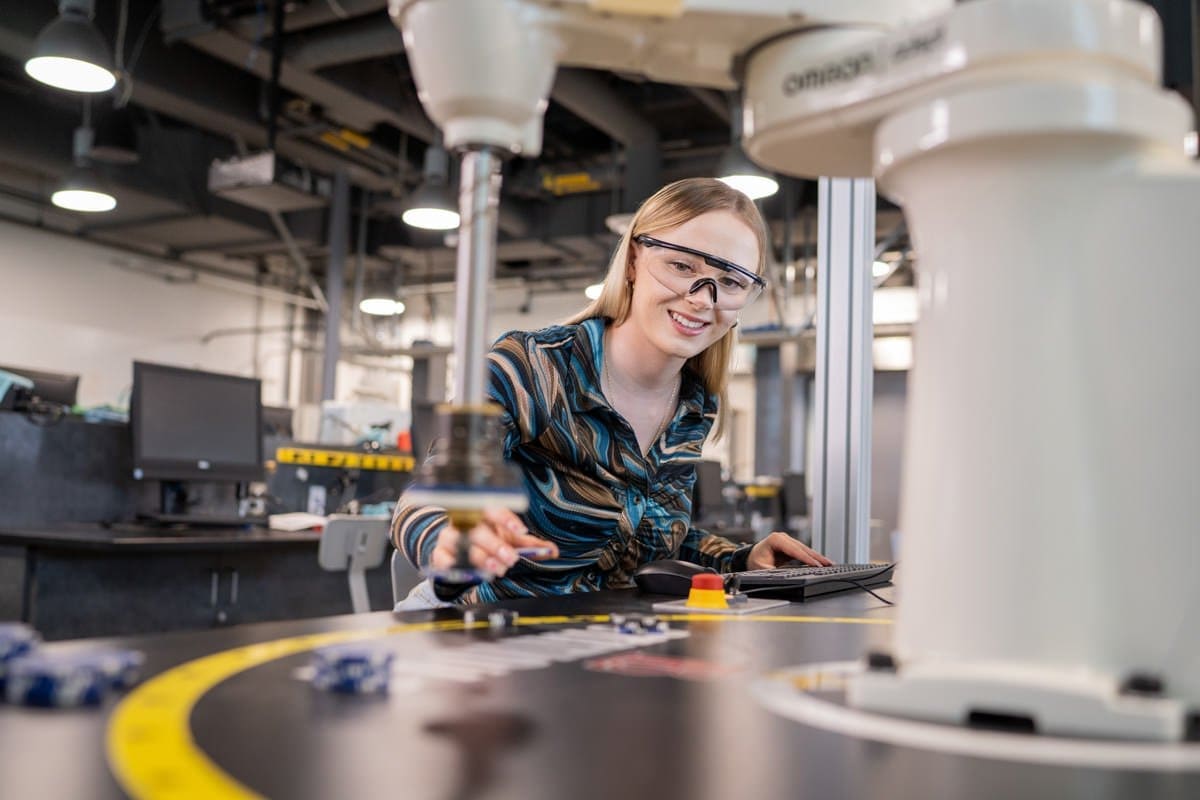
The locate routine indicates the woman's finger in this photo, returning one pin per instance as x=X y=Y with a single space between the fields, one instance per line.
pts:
x=785 y=544
x=509 y=527
x=493 y=543
x=505 y=522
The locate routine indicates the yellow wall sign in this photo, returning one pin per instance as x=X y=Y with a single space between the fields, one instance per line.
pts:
x=341 y=459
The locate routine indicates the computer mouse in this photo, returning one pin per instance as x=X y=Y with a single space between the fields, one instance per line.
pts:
x=668 y=576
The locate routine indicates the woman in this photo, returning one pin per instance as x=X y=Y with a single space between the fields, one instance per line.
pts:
x=606 y=415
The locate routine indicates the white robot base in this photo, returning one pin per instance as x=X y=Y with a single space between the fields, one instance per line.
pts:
x=818 y=695
x=1022 y=699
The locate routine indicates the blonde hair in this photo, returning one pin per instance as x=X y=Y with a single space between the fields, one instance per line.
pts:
x=670 y=207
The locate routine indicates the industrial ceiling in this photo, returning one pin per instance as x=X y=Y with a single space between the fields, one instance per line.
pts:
x=196 y=88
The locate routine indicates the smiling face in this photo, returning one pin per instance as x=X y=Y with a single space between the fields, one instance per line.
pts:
x=684 y=326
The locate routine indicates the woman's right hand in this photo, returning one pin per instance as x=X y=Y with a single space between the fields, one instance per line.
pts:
x=494 y=543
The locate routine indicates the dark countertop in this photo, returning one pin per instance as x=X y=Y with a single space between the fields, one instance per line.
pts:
x=128 y=537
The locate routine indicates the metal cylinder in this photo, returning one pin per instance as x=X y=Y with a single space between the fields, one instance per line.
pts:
x=478 y=205
x=339 y=225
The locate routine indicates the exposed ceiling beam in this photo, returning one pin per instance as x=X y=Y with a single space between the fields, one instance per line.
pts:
x=589 y=97
x=191 y=88
x=348 y=108
x=316 y=13
x=358 y=40
x=353 y=108
x=713 y=100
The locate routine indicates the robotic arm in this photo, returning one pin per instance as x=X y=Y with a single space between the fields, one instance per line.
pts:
x=484 y=68
x=1043 y=176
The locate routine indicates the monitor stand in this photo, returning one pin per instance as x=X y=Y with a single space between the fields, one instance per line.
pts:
x=175 y=509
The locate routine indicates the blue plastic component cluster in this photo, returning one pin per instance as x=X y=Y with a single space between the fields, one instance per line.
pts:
x=638 y=625
x=352 y=669
x=33 y=676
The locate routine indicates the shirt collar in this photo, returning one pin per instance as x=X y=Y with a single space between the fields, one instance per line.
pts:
x=588 y=364
x=585 y=391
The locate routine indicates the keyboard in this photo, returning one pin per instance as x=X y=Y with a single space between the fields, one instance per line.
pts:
x=802 y=583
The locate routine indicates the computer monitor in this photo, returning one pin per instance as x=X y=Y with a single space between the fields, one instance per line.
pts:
x=50 y=387
x=194 y=425
x=707 y=497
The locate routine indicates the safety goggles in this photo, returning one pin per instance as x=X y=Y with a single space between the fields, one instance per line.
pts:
x=731 y=287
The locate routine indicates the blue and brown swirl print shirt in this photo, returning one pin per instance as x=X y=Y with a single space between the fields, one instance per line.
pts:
x=591 y=492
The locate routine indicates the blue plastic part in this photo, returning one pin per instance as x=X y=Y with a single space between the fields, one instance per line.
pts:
x=352 y=669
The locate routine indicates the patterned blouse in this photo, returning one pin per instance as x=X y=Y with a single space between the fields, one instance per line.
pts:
x=591 y=491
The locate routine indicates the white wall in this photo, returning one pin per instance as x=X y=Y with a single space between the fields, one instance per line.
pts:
x=72 y=306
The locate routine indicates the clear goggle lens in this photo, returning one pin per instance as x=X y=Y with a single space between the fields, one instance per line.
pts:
x=727 y=285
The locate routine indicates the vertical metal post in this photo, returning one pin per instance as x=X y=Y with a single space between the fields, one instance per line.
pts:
x=798 y=421
x=428 y=390
x=339 y=236
x=428 y=374
x=311 y=358
x=770 y=407
x=842 y=483
x=779 y=407
x=478 y=205
x=289 y=323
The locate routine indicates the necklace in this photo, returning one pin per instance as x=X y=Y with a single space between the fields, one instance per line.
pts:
x=670 y=407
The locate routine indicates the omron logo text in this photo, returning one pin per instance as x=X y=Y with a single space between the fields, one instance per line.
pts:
x=846 y=69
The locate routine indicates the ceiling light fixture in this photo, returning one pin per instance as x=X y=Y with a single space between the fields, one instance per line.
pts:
x=71 y=54
x=737 y=170
x=735 y=167
x=432 y=206
x=82 y=190
x=381 y=306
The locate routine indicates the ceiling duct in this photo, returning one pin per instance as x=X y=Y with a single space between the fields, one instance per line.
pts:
x=266 y=182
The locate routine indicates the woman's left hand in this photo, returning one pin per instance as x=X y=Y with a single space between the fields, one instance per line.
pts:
x=779 y=548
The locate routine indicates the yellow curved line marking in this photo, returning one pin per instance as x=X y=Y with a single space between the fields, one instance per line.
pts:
x=149 y=740
x=150 y=747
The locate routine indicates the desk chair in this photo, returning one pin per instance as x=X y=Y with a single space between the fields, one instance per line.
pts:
x=354 y=544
